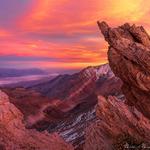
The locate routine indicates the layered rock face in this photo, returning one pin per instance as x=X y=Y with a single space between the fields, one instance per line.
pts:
x=14 y=135
x=129 y=58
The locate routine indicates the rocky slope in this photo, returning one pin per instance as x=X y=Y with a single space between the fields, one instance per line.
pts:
x=129 y=58
x=14 y=135
x=117 y=126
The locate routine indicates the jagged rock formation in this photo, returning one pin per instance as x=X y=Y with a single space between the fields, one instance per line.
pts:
x=124 y=124
x=14 y=135
x=129 y=58
x=115 y=119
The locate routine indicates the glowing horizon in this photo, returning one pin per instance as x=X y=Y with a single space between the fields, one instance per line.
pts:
x=63 y=33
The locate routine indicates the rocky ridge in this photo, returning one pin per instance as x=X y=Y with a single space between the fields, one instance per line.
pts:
x=116 y=119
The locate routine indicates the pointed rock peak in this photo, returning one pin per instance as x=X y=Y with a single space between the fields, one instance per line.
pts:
x=103 y=26
x=134 y=33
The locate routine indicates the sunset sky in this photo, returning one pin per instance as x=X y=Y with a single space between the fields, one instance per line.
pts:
x=62 y=34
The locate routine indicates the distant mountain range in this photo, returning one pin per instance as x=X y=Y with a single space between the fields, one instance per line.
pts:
x=8 y=72
x=24 y=77
x=70 y=86
x=25 y=81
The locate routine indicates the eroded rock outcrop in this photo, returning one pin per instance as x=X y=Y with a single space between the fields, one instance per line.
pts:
x=14 y=135
x=129 y=58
